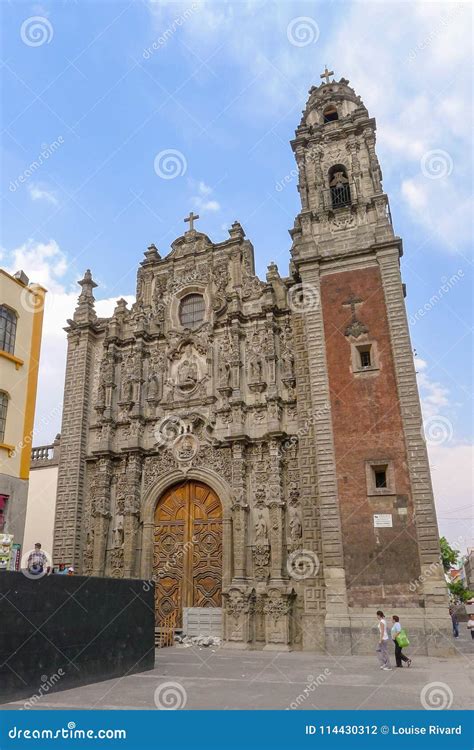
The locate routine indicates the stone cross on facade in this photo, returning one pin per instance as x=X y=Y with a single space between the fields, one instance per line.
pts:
x=326 y=74
x=352 y=302
x=191 y=218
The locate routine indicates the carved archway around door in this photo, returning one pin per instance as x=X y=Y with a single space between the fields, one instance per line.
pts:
x=187 y=549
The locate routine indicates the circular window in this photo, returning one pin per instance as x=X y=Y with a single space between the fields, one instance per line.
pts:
x=191 y=310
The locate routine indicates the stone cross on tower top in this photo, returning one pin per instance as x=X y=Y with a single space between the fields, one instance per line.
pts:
x=191 y=218
x=326 y=74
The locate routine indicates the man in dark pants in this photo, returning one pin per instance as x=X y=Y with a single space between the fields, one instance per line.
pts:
x=455 y=621
x=399 y=656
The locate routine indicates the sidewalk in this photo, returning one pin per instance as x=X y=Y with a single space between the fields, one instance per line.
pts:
x=204 y=678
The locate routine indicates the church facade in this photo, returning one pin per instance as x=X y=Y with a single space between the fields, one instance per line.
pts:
x=255 y=447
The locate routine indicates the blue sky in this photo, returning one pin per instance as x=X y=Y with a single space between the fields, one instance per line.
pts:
x=107 y=86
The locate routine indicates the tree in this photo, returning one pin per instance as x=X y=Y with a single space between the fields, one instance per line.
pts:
x=459 y=593
x=449 y=555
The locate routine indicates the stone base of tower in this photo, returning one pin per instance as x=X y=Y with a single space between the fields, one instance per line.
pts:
x=429 y=631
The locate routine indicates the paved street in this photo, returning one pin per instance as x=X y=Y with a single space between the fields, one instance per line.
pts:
x=224 y=679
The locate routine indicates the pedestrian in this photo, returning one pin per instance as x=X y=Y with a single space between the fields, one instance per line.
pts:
x=62 y=570
x=37 y=561
x=399 y=635
x=70 y=571
x=470 y=625
x=455 y=621
x=382 y=648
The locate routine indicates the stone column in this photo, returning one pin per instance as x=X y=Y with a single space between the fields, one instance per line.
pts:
x=239 y=511
x=325 y=618
x=131 y=513
x=101 y=514
x=437 y=626
x=276 y=509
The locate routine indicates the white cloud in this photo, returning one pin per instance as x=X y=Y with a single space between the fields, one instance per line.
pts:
x=47 y=264
x=450 y=461
x=406 y=60
x=43 y=263
x=202 y=200
x=38 y=193
x=451 y=471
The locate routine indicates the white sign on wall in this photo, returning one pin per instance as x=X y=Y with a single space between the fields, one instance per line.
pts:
x=383 y=520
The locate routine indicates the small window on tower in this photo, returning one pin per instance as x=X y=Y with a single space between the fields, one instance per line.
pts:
x=365 y=358
x=330 y=114
x=380 y=477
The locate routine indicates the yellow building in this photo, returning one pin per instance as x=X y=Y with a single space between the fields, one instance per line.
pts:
x=21 y=322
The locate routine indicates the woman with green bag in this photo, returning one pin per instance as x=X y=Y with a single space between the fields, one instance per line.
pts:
x=400 y=639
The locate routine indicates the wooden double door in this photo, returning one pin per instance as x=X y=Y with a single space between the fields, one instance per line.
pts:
x=187 y=560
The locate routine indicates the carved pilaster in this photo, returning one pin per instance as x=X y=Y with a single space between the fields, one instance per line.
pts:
x=276 y=508
x=131 y=513
x=239 y=509
x=277 y=610
x=101 y=514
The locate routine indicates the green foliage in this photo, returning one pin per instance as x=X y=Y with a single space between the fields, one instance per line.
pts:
x=459 y=593
x=449 y=556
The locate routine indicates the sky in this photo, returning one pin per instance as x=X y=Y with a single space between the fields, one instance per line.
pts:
x=135 y=113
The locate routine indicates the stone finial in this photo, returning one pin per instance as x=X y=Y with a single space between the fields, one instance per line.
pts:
x=85 y=312
x=236 y=230
x=151 y=253
x=87 y=284
x=121 y=307
x=272 y=271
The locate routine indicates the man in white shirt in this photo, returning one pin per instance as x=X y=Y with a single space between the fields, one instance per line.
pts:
x=382 y=648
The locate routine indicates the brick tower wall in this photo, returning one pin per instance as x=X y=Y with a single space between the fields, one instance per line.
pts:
x=380 y=563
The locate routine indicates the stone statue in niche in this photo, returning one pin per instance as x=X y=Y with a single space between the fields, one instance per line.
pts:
x=224 y=374
x=287 y=365
x=152 y=394
x=260 y=529
x=255 y=368
x=118 y=532
x=296 y=528
x=187 y=374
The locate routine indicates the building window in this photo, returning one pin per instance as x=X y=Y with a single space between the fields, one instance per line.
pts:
x=7 y=329
x=364 y=356
x=192 y=310
x=330 y=114
x=380 y=477
x=3 y=414
x=339 y=187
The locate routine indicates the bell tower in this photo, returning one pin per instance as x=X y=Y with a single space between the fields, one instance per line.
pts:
x=340 y=180
x=369 y=485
